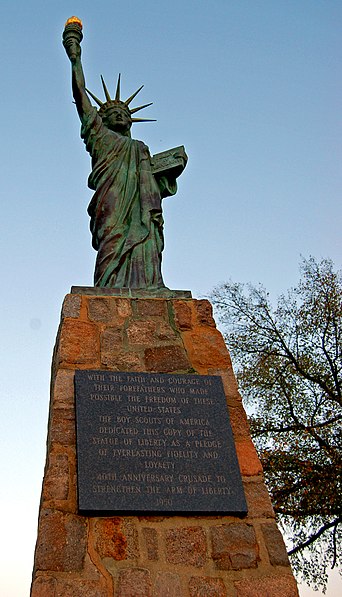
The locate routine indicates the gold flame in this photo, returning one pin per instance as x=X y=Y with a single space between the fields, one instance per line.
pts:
x=74 y=20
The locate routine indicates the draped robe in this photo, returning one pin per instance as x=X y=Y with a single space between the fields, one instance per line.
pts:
x=126 y=219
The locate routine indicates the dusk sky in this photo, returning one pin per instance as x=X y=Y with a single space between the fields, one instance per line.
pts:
x=251 y=88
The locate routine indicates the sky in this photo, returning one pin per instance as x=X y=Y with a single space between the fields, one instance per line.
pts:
x=251 y=88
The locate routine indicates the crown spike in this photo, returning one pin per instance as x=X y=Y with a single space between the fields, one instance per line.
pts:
x=143 y=120
x=106 y=92
x=117 y=93
x=96 y=99
x=140 y=108
x=128 y=101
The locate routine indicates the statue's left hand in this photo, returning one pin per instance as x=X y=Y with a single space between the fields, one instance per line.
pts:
x=73 y=49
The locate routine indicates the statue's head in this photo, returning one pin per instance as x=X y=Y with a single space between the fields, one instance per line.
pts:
x=117 y=115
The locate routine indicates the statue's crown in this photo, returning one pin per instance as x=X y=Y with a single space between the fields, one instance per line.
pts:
x=116 y=102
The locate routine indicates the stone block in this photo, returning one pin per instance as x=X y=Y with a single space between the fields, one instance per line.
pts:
x=80 y=588
x=186 y=545
x=258 y=500
x=111 y=344
x=79 y=342
x=166 y=359
x=275 y=544
x=62 y=428
x=182 y=314
x=204 y=313
x=249 y=462
x=102 y=310
x=134 y=582
x=277 y=586
x=63 y=392
x=131 y=534
x=150 y=307
x=71 y=306
x=239 y=422
x=206 y=349
x=121 y=360
x=111 y=541
x=124 y=307
x=56 y=481
x=234 y=546
x=229 y=382
x=44 y=586
x=151 y=543
x=167 y=585
x=61 y=544
x=141 y=333
x=165 y=332
x=204 y=586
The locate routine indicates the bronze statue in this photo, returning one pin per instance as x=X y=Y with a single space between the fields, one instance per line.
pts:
x=125 y=212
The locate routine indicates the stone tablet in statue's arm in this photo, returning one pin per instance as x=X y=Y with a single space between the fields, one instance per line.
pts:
x=170 y=163
x=166 y=167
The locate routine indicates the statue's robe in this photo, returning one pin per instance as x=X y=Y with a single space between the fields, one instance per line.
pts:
x=125 y=212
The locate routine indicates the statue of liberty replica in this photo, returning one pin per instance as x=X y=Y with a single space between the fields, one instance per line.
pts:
x=125 y=212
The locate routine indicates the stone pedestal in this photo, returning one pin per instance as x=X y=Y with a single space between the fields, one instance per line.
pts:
x=149 y=556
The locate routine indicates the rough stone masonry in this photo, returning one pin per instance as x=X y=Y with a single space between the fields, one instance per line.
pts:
x=149 y=556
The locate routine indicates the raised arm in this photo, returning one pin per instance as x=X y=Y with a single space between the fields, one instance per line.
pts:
x=72 y=37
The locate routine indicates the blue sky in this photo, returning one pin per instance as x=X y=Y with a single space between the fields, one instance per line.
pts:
x=252 y=88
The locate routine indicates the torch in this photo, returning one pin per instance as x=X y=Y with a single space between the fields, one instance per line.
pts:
x=72 y=36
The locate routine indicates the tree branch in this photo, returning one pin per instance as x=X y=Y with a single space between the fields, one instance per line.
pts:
x=334 y=548
x=316 y=380
x=307 y=428
x=329 y=359
x=315 y=536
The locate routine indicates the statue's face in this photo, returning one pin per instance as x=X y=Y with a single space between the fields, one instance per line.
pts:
x=118 y=120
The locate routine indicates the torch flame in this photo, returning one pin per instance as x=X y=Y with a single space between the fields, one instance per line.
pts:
x=74 y=20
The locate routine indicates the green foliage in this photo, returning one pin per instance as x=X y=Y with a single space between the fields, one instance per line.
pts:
x=288 y=362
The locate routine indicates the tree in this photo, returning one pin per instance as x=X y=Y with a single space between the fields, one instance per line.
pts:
x=288 y=362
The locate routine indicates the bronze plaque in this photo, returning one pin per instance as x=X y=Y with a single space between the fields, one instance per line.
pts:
x=152 y=442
